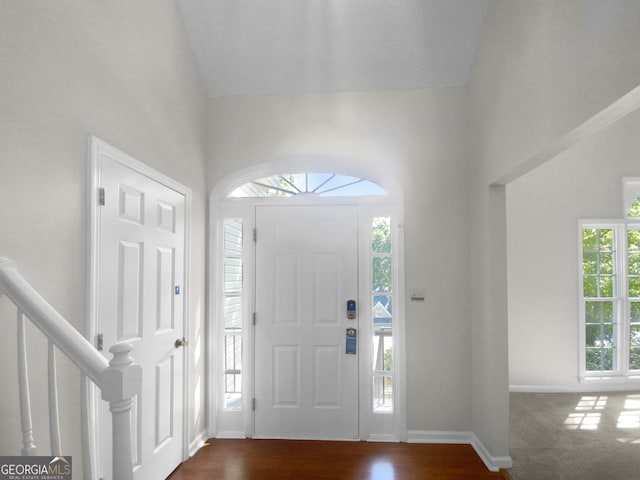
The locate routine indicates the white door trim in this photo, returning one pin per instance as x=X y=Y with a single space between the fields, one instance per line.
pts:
x=90 y=391
x=221 y=206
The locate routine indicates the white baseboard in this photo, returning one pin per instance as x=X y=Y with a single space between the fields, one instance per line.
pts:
x=437 y=436
x=197 y=443
x=231 y=435
x=586 y=386
x=389 y=438
x=493 y=463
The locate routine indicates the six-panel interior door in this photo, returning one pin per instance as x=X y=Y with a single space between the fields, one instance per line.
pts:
x=306 y=385
x=141 y=274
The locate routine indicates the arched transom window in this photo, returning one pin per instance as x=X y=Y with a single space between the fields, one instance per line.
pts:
x=632 y=197
x=308 y=183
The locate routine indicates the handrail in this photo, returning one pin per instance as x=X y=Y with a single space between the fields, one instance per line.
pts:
x=119 y=380
x=51 y=323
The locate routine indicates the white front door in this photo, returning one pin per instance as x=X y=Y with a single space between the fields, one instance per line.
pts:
x=306 y=384
x=140 y=301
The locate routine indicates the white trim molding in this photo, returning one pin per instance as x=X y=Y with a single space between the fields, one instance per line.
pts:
x=372 y=427
x=586 y=385
x=231 y=435
x=493 y=463
x=197 y=443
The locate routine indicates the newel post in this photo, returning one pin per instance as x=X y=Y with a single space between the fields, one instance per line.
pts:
x=121 y=382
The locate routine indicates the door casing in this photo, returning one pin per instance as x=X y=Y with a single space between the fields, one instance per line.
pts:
x=91 y=394
x=393 y=427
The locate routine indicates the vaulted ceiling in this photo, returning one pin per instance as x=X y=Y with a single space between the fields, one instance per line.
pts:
x=254 y=47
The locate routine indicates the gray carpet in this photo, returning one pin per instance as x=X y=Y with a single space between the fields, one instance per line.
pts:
x=562 y=436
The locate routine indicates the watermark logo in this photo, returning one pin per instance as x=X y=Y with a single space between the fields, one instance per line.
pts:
x=35 y=468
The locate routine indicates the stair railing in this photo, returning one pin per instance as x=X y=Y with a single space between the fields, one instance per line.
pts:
x=119 y=380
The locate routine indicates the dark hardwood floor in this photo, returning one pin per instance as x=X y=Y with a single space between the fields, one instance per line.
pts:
x=311 y=460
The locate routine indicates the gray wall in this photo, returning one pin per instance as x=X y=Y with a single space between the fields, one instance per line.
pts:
x=415 y=137
x=542 y=68
x=120 y=70
x=544 y=207
x=123 y=71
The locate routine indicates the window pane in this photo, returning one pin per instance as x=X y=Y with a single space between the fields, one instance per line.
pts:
x=233 y=401
x=606 y=263
x=233 y=372
x=590 y=285
x=599 y=312
x=232 y=275
x=233 y=354
x=382 y=394
x=600 y=359
x=323 y=184
x=233 y=236
x=634 y=263
x=589 y=263
x=233 y=383
x=634 y=287
x=598 y=263
x=381 y=235
x=634 y=210
x=634 y=359
x=634 y=335
x=383 y=352
x=606 y=287
x=633 y=240
x=381 y=281
x=382 y=311
x=233 y=312
x=601 y=336
x=589 y=239
x=605 y=239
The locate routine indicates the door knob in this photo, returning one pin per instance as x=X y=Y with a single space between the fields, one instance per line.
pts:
x=181 y=342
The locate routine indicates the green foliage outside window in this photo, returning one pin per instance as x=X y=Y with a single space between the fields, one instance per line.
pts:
x=388 y=360
x=381 y=235
x=598 y=267
x=634 y=210
x=381 y=245
x=598 y=260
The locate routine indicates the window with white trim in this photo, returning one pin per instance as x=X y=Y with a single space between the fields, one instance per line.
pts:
x=320 y=184
x=233 y=293
x=382 y=314
x=610 y=291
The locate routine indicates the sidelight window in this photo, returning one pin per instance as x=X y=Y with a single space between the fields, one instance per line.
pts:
x=233 y=293
x=382 y=316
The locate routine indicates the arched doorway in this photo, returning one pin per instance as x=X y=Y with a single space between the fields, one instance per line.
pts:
x=291 y=355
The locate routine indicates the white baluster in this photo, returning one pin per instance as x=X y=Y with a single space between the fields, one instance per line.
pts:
x=54 y=418
x=28 y=447
x=121 y=382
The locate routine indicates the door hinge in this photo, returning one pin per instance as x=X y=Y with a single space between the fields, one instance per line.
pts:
x=253 y=404
x=101 y=195
x=100 y=342
x=255 y=316
x=255 y=234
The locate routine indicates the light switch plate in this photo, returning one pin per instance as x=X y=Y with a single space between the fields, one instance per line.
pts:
x=417 y=294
